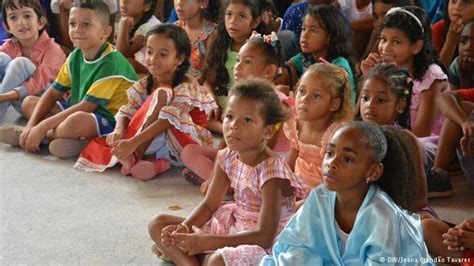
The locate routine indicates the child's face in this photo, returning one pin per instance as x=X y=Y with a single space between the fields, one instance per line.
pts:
x=466 y=42
x=313 y=37
x=243 y=125
x=348 y=161
x=460 y=9
x=23 y=23
x=378 y=104
x=250 y=63
x=188 y=9
x=379 y=10
x=133 y=8
x=239 y=22
x=161 y=55
x=314 y=100
x=395 y=47
x=86 y=30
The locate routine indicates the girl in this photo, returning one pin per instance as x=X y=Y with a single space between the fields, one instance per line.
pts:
x=29 y=60
x=323 y=37
x=406 y=41
x=260 y=57
x=240 y=18
x=358 y=217
x=236 y=233
x=198 y=19
x=157 y=119
x=447 y=31
x=137 y=18
x=322 y=101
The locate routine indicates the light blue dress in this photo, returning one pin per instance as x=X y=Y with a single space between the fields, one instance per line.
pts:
x=382 y=233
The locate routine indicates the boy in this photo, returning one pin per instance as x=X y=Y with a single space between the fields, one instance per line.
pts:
x=95 y=76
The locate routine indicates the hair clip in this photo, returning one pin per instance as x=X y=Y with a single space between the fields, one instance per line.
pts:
x=271 y=39
x=406 y=91
x=277 y=126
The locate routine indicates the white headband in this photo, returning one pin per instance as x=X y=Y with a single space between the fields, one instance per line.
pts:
x=399 y=9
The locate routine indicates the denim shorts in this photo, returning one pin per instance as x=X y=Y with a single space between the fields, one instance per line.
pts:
x=103 y=124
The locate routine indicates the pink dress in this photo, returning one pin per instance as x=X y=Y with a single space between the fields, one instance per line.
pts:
x=310 y=156
x=232 y=218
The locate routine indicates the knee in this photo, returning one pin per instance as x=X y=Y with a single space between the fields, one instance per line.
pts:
x=5 y=59
x=189 y=152
x=75 y=122
x=156 y=225
x=467 y=107
x=28 y=105
x=215 y=259
x=22 y=64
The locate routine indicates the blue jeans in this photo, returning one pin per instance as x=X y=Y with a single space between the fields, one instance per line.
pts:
x=13 y=73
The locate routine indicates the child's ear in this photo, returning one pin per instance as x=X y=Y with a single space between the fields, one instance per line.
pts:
x=42 y=22
x=335 y=104
x=107 y=32
x=417 y=47
x=375 y=172
x=256 y=22
x=270 y=71
x=269 y=132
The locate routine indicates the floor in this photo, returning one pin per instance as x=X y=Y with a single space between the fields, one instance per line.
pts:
x=53 y=214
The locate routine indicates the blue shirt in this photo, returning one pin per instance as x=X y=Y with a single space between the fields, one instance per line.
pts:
x=293 y=18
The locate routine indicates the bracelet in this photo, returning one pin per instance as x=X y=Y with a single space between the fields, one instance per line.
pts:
x=183 y=225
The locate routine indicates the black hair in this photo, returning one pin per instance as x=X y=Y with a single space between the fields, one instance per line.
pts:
x=261 y=91
x=183 y=47
x=394 y=2
x=213 y=10
x=398 y=81
x=217 y=57
x=145 y=17
x=394 y=149
x=100 y=8
x=332 y=21
x=272 y=53
x=414 y=32
x=10 y=4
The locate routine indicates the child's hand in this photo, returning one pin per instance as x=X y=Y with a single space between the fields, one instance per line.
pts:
x=34 y=138
x=114 y=136
x=454 y=31
x=451 y=239
x=189 y=243
x=127 y=21
x=122 y=149
x=166 y=234
x=65 y=4
x=370 y=62
x=215 y=114
x=468 y=131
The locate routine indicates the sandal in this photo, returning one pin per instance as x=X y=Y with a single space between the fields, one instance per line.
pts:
x=160 y=254
x=191 y=177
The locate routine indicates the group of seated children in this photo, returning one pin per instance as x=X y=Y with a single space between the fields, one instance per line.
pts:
x=328 y=160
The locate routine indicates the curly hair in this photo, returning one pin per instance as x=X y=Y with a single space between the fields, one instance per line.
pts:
x=341 y=88
x=183 y=47
x=398 y=82
x=10 y=4
x=217 y=57
x=145 y=17
x=261 y=91
x=273 y=54
x=408 y=25
x=332 y=21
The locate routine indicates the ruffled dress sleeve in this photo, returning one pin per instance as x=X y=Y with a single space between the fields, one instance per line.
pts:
x=136 y=95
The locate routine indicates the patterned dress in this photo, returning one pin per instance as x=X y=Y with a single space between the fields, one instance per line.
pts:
x=198 y=48
x=182 y=101
x=232 y=218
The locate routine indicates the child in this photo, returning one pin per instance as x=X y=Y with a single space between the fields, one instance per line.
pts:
x=240 y=18
x=96 y=77
x=322 y=102
x=270 y=20
x=157 y=119
x=446 y=32
x=406 y=41
x=29 y=60
x=198 y=19
x=236 y=233
x=358 y=217
x=137 y=19
x=260 y=57
x=462 y=67
x=61 y=10
x=323 y=36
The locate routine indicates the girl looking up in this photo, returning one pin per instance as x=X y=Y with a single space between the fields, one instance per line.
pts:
x=237 y=233
x=241 y=17
x=137 y=18
x=30 y=60
x=157 y=120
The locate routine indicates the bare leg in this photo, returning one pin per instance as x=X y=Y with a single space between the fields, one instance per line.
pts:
x=176 y=254
x=30 y=103
x=215 y=126
x=77 y=125
x=214 y=259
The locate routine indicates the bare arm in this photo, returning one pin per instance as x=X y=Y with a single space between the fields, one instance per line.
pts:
x=291 y=159
x=449 y=106
x=427 y=110
x=123 y=44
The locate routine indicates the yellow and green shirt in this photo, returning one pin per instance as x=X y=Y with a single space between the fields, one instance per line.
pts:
x=102 y=81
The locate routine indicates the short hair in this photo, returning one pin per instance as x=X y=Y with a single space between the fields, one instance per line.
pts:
x=10 y=4
x=262 y=91
x=101 y=9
